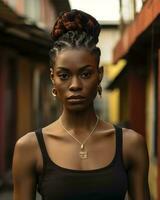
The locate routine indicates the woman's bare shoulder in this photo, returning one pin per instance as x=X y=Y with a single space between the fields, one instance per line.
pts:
x=132 y=137
x=134 y=146
x=27 y=148
x=25 y=153
x=27 y=141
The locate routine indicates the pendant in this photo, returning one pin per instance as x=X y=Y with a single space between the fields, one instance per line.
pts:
x=83 y=153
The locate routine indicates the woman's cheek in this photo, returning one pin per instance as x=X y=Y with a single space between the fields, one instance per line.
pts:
x=93 y=90
x=61 y=91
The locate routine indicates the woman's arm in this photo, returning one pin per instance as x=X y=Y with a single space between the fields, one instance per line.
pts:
x=138 y=165
x=24 y=173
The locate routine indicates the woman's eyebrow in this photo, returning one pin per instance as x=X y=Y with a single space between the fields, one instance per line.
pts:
x=84 y=67
x=67 y=69
x=62 y=68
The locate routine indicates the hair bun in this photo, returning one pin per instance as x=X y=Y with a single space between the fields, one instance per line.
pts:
x=76 y=20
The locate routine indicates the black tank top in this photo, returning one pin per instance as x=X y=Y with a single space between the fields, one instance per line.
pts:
x=107 y=183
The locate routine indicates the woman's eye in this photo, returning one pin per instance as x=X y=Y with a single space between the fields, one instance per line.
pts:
x=86 y=74
x=64 y=76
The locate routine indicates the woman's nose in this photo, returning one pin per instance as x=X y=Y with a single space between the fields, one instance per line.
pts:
x=75 y=84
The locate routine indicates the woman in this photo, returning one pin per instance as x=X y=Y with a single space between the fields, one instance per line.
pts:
x=79 y=156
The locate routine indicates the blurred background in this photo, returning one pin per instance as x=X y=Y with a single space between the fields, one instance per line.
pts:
x=130 y=44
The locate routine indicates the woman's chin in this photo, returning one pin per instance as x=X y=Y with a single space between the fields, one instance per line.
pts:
x=77 y=107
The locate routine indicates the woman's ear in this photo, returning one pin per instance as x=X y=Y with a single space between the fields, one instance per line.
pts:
x=51 y=75
x=100 y=74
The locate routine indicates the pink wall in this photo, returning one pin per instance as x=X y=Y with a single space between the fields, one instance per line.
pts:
x=158 y=184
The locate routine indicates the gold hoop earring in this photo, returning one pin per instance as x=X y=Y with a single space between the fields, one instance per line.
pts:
x=54 y=92
x=99 y=89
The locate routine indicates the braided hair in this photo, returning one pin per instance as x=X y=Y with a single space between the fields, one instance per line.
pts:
x=75 y=29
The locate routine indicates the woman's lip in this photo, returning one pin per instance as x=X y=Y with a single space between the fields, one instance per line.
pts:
x=76 y=97
x=75 y=100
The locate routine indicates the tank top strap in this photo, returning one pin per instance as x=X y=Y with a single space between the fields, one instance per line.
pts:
x=42 y=146
x=119 y=143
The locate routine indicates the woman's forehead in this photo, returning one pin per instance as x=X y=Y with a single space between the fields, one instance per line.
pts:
x=74 y=56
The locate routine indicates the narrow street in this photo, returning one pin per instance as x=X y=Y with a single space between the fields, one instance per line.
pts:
x=129 y=44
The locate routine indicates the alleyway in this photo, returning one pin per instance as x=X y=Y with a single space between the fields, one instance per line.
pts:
x=130 y=47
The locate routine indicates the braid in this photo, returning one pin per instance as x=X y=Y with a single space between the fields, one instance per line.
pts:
x=75 y=29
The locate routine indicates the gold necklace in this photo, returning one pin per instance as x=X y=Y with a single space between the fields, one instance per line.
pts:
x=83 y=151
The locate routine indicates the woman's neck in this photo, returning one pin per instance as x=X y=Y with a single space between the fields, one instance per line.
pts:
x=79 y=120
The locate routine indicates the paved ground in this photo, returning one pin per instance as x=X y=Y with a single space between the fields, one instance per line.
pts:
x=7 y=195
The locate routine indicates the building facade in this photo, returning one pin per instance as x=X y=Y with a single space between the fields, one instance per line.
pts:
x=26 y=102
x=138 y=83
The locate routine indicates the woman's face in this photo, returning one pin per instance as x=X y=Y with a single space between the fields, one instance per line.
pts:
x=76 y=77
